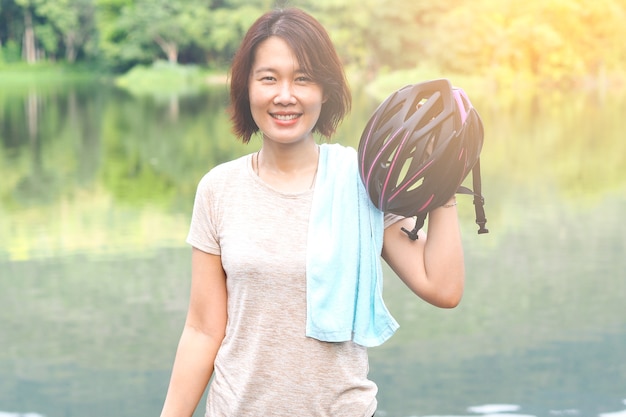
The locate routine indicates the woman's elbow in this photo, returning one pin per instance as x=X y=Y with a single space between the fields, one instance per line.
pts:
x=451 y=301
x=450 y=296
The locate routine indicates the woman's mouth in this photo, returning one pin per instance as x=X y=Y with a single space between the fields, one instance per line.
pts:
x=285 y=117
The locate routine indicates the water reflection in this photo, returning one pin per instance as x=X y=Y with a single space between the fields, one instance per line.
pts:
x=96 y=156
x=96 y=188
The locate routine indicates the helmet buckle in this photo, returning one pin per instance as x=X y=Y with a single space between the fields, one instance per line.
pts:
x=419 y=223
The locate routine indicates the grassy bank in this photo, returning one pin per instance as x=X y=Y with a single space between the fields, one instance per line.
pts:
x=21 y=73
x=165 y=78
x=158 y=78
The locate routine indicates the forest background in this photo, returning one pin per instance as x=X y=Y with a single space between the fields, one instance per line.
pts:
x=549 y=44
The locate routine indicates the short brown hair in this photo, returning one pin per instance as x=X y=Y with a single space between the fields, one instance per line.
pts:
x=316 y=55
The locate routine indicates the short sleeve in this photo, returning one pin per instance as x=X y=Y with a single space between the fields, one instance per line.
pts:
x=203 y=231
x=391 y=219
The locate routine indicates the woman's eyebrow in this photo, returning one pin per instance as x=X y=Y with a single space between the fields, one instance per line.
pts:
x=298 y=71
x=264 y=69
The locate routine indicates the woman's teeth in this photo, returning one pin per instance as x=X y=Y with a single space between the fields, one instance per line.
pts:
x=285 y=116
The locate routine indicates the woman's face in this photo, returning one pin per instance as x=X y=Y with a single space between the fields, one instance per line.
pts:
x=285 y=103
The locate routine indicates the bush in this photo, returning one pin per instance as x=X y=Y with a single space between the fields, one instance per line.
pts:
x=10 y=52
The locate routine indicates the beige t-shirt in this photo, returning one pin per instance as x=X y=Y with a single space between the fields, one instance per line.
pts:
x=266 y=365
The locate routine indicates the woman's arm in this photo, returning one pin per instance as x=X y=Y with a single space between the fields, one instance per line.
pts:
x=201 y=337
x=431 y=266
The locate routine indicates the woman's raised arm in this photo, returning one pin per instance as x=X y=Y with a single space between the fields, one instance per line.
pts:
x=431 y=266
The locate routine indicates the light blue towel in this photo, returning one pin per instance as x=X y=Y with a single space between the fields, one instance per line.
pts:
x=343 y=266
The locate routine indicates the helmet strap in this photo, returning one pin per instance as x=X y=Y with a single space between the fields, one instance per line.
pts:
x=479 y=203
x=419 y=223
x=479 y=200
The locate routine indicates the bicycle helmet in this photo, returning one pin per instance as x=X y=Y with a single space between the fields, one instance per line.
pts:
x=418 y=147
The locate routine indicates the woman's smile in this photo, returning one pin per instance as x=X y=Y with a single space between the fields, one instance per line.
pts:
x=285 y=117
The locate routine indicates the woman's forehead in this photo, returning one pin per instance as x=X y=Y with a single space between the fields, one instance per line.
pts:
x=275 y=53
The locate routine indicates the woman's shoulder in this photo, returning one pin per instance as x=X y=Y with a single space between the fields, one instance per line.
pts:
x=225 y=172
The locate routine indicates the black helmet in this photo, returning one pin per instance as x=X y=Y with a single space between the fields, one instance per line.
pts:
x=418 y=147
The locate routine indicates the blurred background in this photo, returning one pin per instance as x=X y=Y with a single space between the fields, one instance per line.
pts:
x=112 y=110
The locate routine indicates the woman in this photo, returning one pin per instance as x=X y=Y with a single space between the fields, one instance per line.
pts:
x=247 y=315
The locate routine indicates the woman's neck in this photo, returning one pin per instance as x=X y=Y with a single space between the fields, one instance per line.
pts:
x=287 y=167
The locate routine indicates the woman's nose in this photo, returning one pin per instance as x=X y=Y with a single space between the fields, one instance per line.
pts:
x=285 y=95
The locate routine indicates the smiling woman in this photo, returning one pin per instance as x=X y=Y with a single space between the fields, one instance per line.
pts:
x=285 y=102
x=286 y=334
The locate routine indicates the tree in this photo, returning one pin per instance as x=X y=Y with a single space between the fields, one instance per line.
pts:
x=110 y=32
x=73 y=20
x=220 y=35
x=53 y=25
x=163 y=23
x=29 y=49
x=142 y=31
x=372 y=38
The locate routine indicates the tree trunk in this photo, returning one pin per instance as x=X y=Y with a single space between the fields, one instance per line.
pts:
x=29 y=51
x=170 y=49
x=172 y=55
x=70 y=47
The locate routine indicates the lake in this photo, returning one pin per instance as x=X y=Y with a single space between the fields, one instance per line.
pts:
x=96 y=190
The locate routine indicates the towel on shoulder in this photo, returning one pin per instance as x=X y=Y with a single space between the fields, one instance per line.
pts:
x=343 y=266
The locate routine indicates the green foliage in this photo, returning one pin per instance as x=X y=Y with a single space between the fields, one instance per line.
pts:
x=171 y=79
x=10 y=51
x=166 y=23
x=64 y=26
x=48 y=39
x=223 y=31
x=72 y=20
x=107 y=16
x=143 y=31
